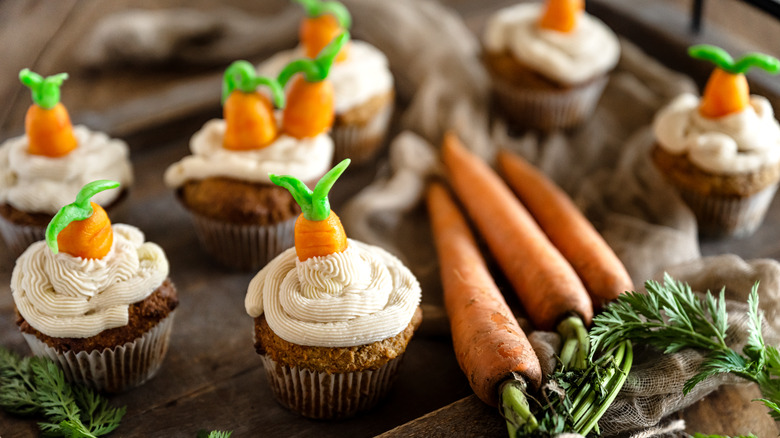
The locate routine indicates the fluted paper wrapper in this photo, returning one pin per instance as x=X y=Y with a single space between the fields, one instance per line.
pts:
x=244 y=247
x=722 y=216
x=115 y=369
x=323 y=395
x=548 y=110
x=18 y=237
x=361 y=143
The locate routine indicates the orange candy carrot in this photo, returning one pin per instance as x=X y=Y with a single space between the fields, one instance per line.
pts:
x=727 y=90
x=82 y=229
x=47 y=123
x=249 y=115
x=598 y=267
x=544 y=281
x=489 y=344
x=310 y=103
x=324 y=21
x=561 y=15
x=318 y=231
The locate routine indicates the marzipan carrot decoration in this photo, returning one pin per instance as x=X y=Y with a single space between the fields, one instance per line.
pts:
x=490 y=346
x=309 y=108
x=249 y=114
x=561 y=15
x=318 y=231
x=83 y=229
x=47 y=123
x=324 y=21
x=545 y=282
x=598 y=267
x=727 y=90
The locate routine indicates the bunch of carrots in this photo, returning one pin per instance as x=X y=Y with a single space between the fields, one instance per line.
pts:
x=557 y=263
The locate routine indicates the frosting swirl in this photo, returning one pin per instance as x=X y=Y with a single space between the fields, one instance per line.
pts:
x=567 y=57
x=306 y=159
x=72 y=297
x=363 y=75
x=39 y=184
x=355 y=297
x=736 y=143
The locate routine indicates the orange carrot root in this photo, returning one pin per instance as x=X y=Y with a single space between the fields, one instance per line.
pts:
x=562 y=15
x=319 y=238
x=316 y=33
x=310 y=108
x=250 y=121
x=724 y=94
x=49 y=131
x=90 y=238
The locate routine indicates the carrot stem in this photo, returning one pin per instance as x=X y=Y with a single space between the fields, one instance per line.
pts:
x=725 y=62
x=515 y=408
x=315 y=8
x=314 y=204
x=79 y=210
x=575 y=351
x=240 y=75
x=317 y=69
x=45 y=91
x=624 y=358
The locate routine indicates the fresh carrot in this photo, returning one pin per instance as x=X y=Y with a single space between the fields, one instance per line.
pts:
x=318 y=231
x=598 y=267
x=489 y=344
x=727 y=90
x=545 y=282
x=561 y=15
x=82 y=229
x=47 y=123
x=310 y=109
x=324 y=21
x=249 y=114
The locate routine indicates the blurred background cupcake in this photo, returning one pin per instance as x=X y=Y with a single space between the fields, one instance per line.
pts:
x=548 y=62
x=94 y=297
x=44 y=169
x=333 y=316
x=722 y=151
x=361 y=77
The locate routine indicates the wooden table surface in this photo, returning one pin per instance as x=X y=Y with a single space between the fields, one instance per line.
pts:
x=212 y=378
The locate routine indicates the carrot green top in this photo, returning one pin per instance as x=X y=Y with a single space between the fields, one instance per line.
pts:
x=317 y=69
x=45 y=91
x=314 y=204
x=725 y=62
x=240 y=75
x=315 y=8
x=77 y=211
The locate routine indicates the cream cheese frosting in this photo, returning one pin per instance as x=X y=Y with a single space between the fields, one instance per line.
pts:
x=566 y=57
x=71 y=297
x=306 y=159
x=355 y=297
x=39 y=184
x=357 y=79
x=735 y=143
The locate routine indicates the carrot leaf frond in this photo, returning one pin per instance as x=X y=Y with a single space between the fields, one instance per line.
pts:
x=298 y=190
x=45 y=91
x=760 y=60
x=320 y=202
x=317 y=69
x=241 y=75
x=79 y=210
x=714 y=54
x=316 y=8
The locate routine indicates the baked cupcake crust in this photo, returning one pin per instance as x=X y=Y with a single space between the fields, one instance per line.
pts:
x=364 y=113
x=506 y=67
x=143 y=316
x=333 y=359
x=679 y=170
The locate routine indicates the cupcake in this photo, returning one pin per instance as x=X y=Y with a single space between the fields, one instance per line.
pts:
x=333 y=316
x=241 y=219
x=45 y=168
x=364 y=92
x=722 y=151
x=548 y=63
x=94 y=297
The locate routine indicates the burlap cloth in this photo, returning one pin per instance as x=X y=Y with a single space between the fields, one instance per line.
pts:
x=604 y=165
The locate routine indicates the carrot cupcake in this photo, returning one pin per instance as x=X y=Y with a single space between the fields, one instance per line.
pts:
x=361 y=78
x=722 y=151
x=240 y=217
x=94 y=297
x=333 y=316
x=548 y=63
x=45 y=168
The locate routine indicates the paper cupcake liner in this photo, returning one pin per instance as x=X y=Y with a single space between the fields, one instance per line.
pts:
x=245 y=247
x=113 y=369
x=721 y=216
x=322 y=395
x=18 y=237
x=361 y=143
x=547 y=110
